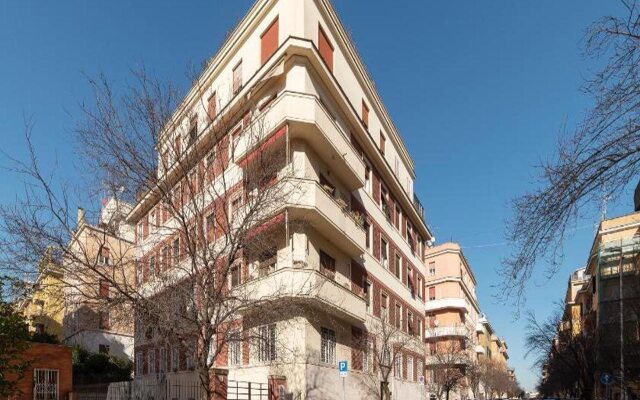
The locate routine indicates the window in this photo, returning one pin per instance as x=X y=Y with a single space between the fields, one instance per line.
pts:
x=327 y=186
x=397 y=265
x=410 y=368
x=384 y=305
x=234 y=348
x=432 y=292
x=45 y=384
x=269 y=41
x=211 y=226
x=420 y=332
x=40 y=328
x=235 y=206
x=384 y=200
x=103 y=257
x=365 y=114
x=420 y=368
x=396 y=220
x=152 y=266
x=139 y=363
x=235 y=275
x=104 y=288
x=175 y=358
x=267 y=261
x=367 y=231
x=328 y=346
x=398 y=366
x=366 y=289
x=237 y=78
x=104 y=320
x=383 y=141
x=384 y=252
x=175 y=248
x=367 y=356
x=367 y=178
x=151 y=361
x=398 y=316
x=212 y=106
x=267 y=343
x=325 y=48
x=327 y=264
x=139 y=271
x=162 y=360
x=410 y=323
x=432 y=268
x=410 y=284
x=103 y=348
x=166 y=257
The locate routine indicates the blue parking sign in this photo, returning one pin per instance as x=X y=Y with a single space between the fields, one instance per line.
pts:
x=343 y=368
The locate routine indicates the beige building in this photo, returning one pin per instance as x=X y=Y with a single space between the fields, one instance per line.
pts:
x=90 y=321
x=292 y=62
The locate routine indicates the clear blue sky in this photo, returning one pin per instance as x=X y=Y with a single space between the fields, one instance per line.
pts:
x=478 y=90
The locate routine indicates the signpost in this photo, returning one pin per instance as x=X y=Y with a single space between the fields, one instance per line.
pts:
x=421 y=383
x=606 y=379
x=344 y=370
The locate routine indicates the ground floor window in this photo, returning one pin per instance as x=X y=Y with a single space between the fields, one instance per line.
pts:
x=267 y=343
x=234 y=348
x=328 y=346
x=45 y=384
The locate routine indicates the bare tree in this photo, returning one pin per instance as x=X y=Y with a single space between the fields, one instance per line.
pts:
x=570 y=360
x=448 y=362
x=209 y=179
x=594 y=163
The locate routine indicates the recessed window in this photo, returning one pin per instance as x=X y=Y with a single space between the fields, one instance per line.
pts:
x=235 y=275
x=104 y=288
x=432 y=268
x=383 y=141
x=237 y=78
x=267 y=343
x=328 y=346
x=326 y=48
x=234 y=348
x=327 y=264
x=365 y=114
x=103 y=256
x=398 y=265
x=269 y=41
x=193 y=129
x=384 y=252
x=432 y=292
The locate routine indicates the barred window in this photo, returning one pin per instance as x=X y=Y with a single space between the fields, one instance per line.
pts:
x=139 y=363
x=398 y=366
x=267 y=343
x=410 y=368
x=175 y=358
x=151 y=361
x=328 y=346
x=367 y=356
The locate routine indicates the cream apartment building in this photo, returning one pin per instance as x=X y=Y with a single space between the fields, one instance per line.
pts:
x=292 y=63
x=91 y=321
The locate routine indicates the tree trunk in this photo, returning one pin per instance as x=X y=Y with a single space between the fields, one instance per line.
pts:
x=447 y=394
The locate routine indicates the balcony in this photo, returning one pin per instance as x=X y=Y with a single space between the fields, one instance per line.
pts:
x=308 y=120
x=480 y=349
x=449 y=302
x=308 y=286
x=446 y=331
x=310 y=204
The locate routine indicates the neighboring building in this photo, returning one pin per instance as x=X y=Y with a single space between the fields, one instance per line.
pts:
x=43 y=305
x=451 y=306
x=294 y=62
x=89 y=320
x=49 y=374
x=573 y=302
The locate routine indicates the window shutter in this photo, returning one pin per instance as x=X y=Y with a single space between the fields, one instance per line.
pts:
x=325 y=48
x=269 y=41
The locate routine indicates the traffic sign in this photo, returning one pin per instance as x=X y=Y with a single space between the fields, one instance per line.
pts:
x=421 y=380
x=606 y=378
x=342 y=367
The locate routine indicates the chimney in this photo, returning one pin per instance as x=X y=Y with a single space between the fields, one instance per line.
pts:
x=636 y=198
x=80 y=220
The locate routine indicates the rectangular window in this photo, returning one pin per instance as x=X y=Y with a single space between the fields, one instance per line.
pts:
x=383 y=141
x=366 y=288
x=193 y=130
x=267 y=261
x=367 y=356
x=384 y=253
x=175 y=358
x=398 y=316
x=103 y=257
x=237 y=78
x=104 y=288
x=212 y=106
x=211 y=226
x=396 y=220
x=166 y=257
x=420 y=368
x=269 y=41
x=235 y=275
x=432 y=292
x=367 y=231
x=152 y=266
x=267 y=343
x=365 y=114
x=234 y=207
x=175 y=249
x=104 y=320
x=398 y=265
x=398 y=366
x=327 y=265
x=326 y=48
x=432 y=268
x=151 y=361
x=410 y=323
x=139 y=363
x=328 y=346
x=384 y=305
x=384 y=200
x=410 y=368
x=367 y=179
x=162 y=360
x=235 y=343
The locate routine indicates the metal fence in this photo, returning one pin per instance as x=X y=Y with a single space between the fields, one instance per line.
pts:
x=168 y=390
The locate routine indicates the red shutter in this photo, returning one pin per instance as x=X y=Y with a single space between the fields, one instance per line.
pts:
x=365 y=114
x=269 y=41
x=383 y=141
x=211 y=106
x=104 y=288
x=325 y=47
x=432 y=292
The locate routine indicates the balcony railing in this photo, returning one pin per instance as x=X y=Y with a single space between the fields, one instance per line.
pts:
x=441 y=331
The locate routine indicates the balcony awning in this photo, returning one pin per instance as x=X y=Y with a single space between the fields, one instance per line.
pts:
x=269 y=141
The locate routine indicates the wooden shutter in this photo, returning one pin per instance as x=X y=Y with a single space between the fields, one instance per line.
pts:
x=269 y=41
x=383 y=142
x=325 y=47
x=432 y=292
x=365 y=114
x=211 y=106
